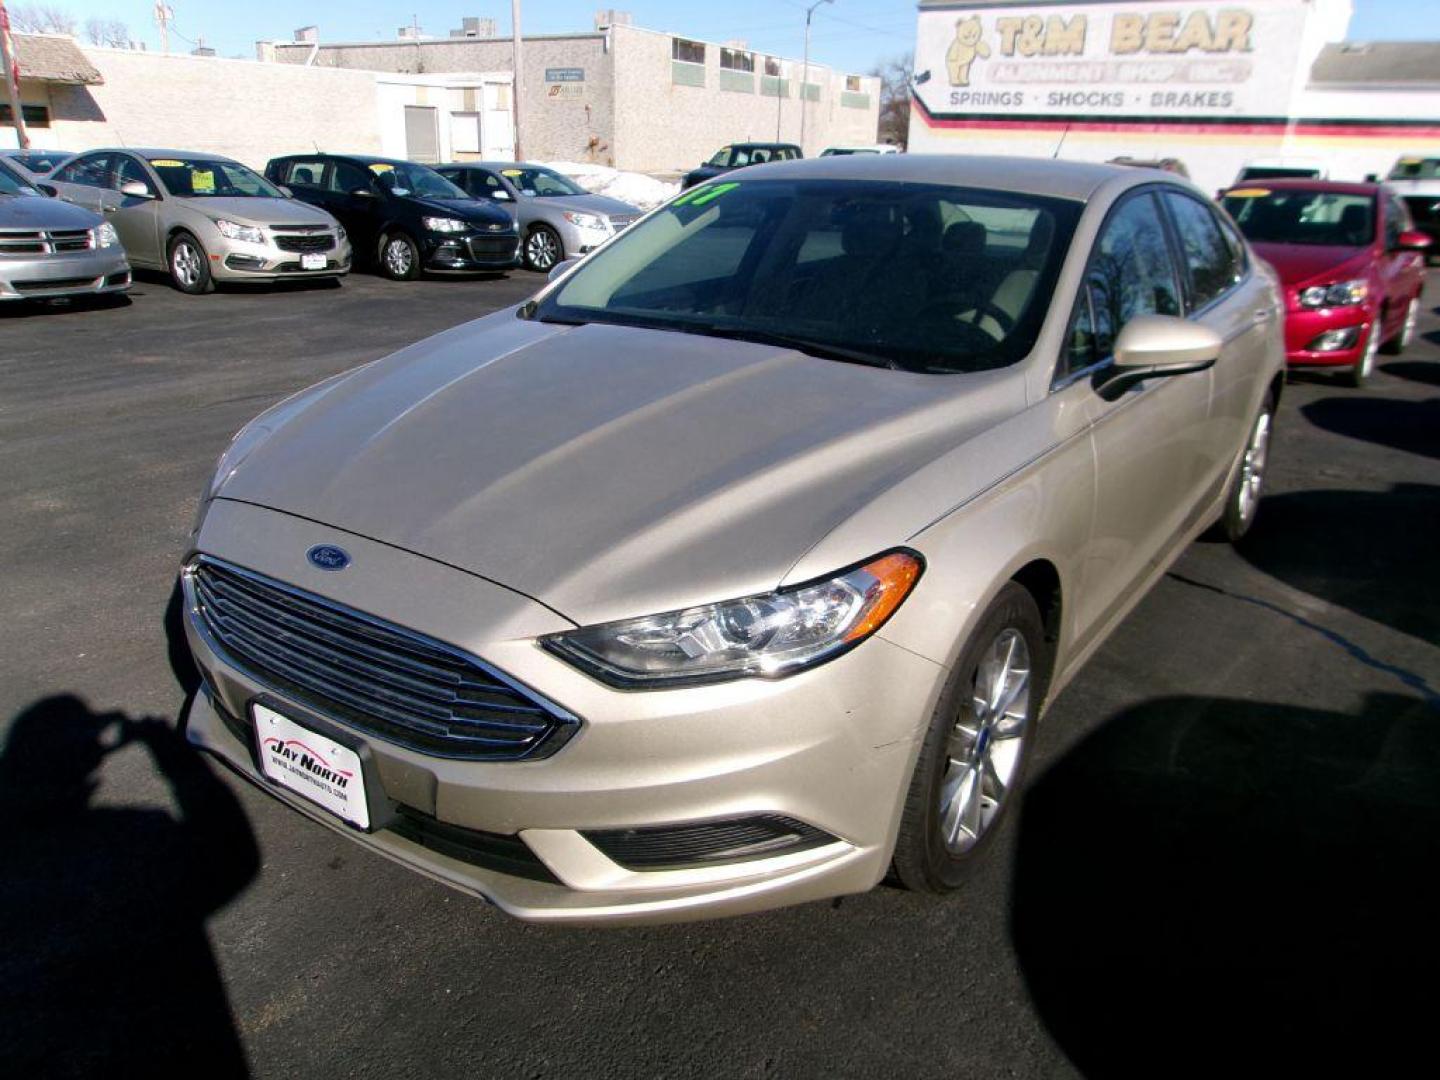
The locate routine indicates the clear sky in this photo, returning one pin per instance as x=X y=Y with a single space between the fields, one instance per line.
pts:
x=848 y=34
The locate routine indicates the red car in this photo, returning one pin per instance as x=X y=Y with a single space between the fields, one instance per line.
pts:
x=1352 y=265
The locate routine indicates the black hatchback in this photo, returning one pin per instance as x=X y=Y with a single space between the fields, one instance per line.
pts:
x=402 y=217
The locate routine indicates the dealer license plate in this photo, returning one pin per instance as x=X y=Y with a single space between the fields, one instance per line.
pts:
x=311 y=766
x=312 y=262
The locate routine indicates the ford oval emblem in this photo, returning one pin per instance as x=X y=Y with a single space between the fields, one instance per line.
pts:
x=328 y=557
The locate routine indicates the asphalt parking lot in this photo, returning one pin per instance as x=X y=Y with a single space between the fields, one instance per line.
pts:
x=1224 y=861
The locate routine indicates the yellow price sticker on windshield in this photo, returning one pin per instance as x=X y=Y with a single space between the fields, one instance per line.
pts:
x=1411 y=161
x=202 y=180
x=166 y=163
x=1248 y=193
x=380 y=167
x=511 y=172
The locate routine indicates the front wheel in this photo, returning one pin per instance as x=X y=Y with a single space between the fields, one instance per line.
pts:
x=189 y=266
x=399 y=257
x=543 y=249
x=973 y=759
x=1401 y=341
x=1360 y=374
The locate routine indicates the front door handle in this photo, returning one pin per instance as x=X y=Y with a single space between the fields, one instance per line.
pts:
x=1264 y=315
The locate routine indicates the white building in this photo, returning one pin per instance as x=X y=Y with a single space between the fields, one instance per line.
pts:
x=1216 y=85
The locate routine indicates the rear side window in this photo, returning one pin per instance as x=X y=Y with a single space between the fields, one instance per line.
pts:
x=1131 y=273
x=302 y=173
x=91 y=171
x=1397 y=220
x=1208 y=259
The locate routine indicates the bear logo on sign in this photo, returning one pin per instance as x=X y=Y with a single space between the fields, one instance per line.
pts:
x=965 y=48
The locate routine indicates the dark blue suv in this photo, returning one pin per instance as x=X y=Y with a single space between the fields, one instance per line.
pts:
x=402 y=217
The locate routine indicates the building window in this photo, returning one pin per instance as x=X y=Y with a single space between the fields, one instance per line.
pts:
x=36 y=116
x=737 y=60
x=772 y=67
x=691 y=52
x=852 y=83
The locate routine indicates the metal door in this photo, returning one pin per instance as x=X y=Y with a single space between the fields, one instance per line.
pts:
x=422 y=134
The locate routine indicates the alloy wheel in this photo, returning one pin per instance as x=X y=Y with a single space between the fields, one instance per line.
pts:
x=1412 y=316
x=1372 y=350
x=542 y=250
x=984 y=748
x=186 y=263
x=398 y=257
x=1252 y=468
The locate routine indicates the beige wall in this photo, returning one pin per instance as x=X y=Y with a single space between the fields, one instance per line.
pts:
x=660 y=126
x=240 y=108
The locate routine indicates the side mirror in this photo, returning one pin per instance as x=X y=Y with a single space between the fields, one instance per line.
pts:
x=285 y=191
x=136 y=189
x=1412 y=240
x=560 y=269
x=48 y=189
x=1155 y=347
x=502 y=196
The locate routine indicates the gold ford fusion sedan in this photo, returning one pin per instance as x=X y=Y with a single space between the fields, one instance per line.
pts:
x=737 y=567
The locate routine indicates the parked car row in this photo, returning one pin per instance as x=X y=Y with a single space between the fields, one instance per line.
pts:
x=205 y=218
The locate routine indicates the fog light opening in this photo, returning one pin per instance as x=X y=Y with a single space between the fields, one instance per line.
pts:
x=1336 y=340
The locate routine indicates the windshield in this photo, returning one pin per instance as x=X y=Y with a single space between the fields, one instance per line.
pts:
x=915 y=276
x=11 y=184
x=542 y=183
x=38 y=161
x=1416 y=169
x=1303 y=217
x=411 y=179
x=199 y=178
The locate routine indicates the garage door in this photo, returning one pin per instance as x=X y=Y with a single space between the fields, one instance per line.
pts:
x=422 y=134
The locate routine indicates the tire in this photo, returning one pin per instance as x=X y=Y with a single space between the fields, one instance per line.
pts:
x=947 y=825
x=1242 y=504
x=399 y=257
x=542 y=249
x=189 y=265
x=1401 y=341
x=1360 y=374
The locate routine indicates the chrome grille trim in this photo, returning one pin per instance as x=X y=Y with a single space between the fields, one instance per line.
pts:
x=367 y=673
x=44 y=241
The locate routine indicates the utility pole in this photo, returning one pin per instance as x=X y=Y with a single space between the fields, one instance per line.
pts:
x=517 y=87
x=164 y=14
x=805 y=78
x=11 y=61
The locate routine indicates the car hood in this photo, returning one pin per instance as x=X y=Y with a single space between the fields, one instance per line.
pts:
x=586 y=204
x=1300 y=264
x=39 y=212
x=244 y=210
x=609 y=471
x=472 y=210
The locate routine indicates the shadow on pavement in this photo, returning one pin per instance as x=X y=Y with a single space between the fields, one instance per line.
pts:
x=1421 y=371
x=29 y=309
x=1413 y=426
x=1211 y=887
x=1370 y=552
x=106 y=969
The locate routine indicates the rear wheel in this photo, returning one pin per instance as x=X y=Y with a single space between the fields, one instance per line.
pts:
x=543 y=249
x=189 y=266
x=399 y=257
x=1401 y=341
x=974 y=755
x=1245 y=494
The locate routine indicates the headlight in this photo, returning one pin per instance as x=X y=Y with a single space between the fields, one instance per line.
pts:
x=340 y=234
x=1345 y=294
x=445 y=224
x=106 y=236
x=770 y=635
x=584 y=221
x=248 y=233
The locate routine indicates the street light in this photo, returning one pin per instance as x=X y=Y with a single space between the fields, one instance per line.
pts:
x=805 y=76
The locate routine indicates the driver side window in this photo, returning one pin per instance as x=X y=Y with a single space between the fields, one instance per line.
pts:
x=1131 y=272
x=128 y=171
x=90 y=171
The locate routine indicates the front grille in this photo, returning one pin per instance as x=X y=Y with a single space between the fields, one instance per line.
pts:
x=300 y=228
x=55 y=283
x=43 y=241
x=489 y=247
x=707 y=843
x=372 y=675
x=302 y=245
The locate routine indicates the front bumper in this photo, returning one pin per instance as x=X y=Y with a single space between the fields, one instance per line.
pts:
x=1304 y=327
x=238 y=260
x=464 y=253
x=79 y=273
x=832 y=748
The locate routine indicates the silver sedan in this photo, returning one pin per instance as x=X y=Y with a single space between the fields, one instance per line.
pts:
x=204 y=218
x=558 y=219
x=738 y=566
x=49 y=250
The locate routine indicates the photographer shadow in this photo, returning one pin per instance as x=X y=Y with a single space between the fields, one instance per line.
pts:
x=107 y=969
x=1209 y=887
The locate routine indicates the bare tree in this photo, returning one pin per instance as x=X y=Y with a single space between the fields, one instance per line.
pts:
x=894 y=76
x=42 y=19
x=110 y=32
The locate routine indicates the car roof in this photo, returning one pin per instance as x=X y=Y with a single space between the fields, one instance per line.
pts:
x=494 y=165
x=762 y=145
x=148 y=152
x=1302 y=183
x=1034 y=176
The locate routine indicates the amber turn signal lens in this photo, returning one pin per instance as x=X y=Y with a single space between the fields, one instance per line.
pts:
x=894 y=576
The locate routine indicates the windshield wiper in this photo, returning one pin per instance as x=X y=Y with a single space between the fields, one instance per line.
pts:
x=822 y=349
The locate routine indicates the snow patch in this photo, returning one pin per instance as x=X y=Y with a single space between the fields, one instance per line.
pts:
x=637 y=189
